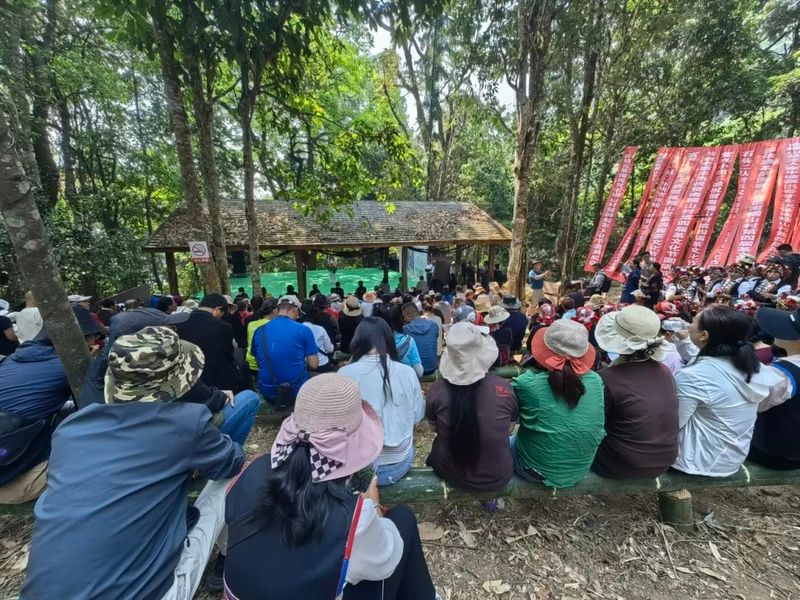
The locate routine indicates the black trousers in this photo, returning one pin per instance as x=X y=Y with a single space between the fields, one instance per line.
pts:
x=411 y=579
x=770 y=461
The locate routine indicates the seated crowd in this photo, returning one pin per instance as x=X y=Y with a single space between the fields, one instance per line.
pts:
x=627 y=391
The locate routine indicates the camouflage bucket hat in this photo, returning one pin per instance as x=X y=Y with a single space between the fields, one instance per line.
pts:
x=152 y=365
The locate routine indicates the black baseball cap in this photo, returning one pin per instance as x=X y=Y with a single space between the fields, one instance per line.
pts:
x=780 y=324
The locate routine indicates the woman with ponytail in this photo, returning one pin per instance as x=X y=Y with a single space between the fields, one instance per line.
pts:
x=561 y=408
x=393 y=391
x=720 y=393
x=472 y=411
x=641 y=406
x=296 y=528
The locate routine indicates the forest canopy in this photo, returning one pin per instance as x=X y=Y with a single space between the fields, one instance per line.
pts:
x=122 y=110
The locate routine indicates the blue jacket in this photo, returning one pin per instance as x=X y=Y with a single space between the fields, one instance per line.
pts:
x=116 y=498
x=631 y=285
x=426 y=334
x=33 y=383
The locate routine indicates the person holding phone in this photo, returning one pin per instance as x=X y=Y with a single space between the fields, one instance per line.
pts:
x=297 y=507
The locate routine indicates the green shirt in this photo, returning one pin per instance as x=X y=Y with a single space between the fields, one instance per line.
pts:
x=554 y=440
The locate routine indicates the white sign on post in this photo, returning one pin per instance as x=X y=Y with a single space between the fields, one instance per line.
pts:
x=199 y=252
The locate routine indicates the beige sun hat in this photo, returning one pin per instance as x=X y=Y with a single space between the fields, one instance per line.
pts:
x=469 y=354
x=496 y=314
x=630 y=330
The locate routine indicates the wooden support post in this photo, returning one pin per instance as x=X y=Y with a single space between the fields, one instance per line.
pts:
x=300 y=266
x=404 y=269
x=459 y=251
x=676 y=509
x=492 y=258
x=172 y=273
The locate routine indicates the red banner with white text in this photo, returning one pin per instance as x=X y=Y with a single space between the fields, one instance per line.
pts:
x=751 y=219
x=710 y=210
x=722 y=248
x=688 y=210
x=663 y=157
x=608 y=217
x=787 y=197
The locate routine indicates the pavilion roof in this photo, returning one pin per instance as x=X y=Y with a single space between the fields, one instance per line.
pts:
x=367 y=225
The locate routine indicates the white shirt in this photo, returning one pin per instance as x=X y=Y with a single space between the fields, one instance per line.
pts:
x=323 y=340
x=717 y=410
x=402 y=411
x=366 y=308
x=377 y=547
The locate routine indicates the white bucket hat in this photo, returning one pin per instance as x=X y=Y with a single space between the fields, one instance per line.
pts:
x=469 y=354
x=630 y=330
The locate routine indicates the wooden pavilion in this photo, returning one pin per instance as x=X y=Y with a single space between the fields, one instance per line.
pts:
x=367 y=225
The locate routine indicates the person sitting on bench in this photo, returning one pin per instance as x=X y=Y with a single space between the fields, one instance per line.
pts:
x=472 y=411
x=116 y=497
x=561 y=408
x=392 y=389
x=641 y=405
x=296 y=507
x=719 y=394
x=776 y=443
x=33 y=390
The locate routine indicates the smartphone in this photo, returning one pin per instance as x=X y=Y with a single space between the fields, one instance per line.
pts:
x=360 y=480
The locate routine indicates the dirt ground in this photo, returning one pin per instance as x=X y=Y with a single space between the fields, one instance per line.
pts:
x=746 y=545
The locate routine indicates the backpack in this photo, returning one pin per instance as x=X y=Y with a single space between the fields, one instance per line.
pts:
x=606 y=285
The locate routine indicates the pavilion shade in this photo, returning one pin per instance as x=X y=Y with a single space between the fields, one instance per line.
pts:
x=367 y=225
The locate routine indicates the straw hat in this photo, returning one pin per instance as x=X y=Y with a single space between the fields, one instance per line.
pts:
x=469 y=354
x=564 y=342
x=483 y=303
x=370 y=296
x=152 y=365
x=343 y=431
x=496 y=314
x=351 y=307
x=630 y=330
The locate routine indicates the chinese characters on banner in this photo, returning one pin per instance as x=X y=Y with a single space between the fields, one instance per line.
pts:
x=786 y=197
x=751 y=219
x=688 y=211
x=608 y=218
x=721 y=249
x=684 y=196
x=710 y=211
x=663 y=157
x=674 y=197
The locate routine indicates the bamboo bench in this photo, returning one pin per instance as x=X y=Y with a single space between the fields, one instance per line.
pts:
x=674 y=499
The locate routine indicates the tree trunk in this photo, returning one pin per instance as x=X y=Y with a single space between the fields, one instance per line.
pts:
x=183 y=144
x=70 y=190
x=35 y=260
x=204 y=119
x=148 y=187
x=534 y=19
x=245 y=118
x=568 y=226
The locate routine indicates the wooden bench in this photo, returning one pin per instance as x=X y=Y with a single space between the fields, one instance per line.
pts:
x=675 y=501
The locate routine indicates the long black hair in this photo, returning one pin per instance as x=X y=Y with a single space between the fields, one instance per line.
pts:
x=374 y=333
x=728 y=331
x=565 y=384
x=266 y=309
x=290 y=498
x=465 y=435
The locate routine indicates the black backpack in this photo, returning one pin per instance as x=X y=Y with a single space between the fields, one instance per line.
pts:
x=606 y=285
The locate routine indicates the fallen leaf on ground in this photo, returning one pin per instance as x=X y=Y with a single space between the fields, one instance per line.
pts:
x=715 y=552
x=429 y=532
x=496 y=587
x=711 y=573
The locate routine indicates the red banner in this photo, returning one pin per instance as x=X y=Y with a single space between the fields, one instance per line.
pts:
x=608 y=218
x=710 y=211
x=687 y=212
x=751 y=219
x=787 y=198
x=720 y=251
x=663 y=158
x=663 y=229
x=662 y=191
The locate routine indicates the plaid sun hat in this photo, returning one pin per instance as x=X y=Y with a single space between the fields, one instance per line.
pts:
x=152 y=365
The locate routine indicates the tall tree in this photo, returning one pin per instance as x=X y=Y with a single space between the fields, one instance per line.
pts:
x=35 y=258
x=180 y=125
x=534 y=19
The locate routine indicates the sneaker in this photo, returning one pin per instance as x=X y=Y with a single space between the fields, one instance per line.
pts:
x=492 y=506
x=214 y=580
